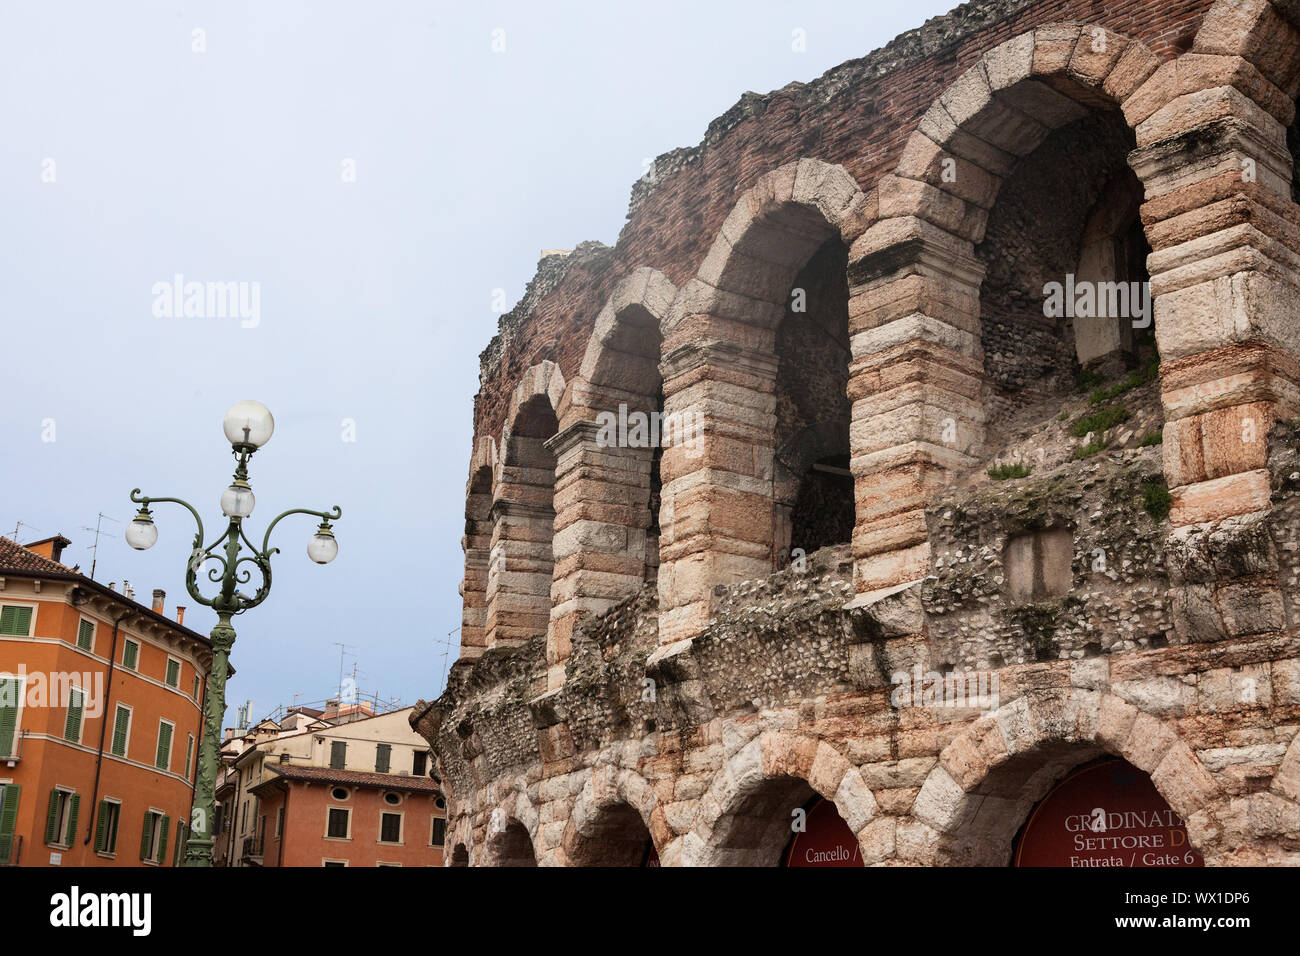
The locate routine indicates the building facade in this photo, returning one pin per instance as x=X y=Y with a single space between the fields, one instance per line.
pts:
x=100 y=715
x=282 y=777
x=925 y=447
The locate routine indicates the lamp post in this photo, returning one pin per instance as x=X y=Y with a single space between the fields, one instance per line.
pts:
x=248 y=426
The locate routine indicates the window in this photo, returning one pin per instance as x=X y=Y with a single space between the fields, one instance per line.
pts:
x=11 y=699
x=189 y=752
x=440 y=803
x=339 y=793
x=420 y=763
x=334 y=863
x=388 y=864
x=61 y=821
x=9 y=796
x=392 y=799
x=194 y=691
x=339 y=823
x=106 y=826
x=178 y=855
x=153 y=837
x=121 y=730
x=86 y=635
x=163 y=759
x=383 y=753
x=173 y=672
x=390 y=828
x=439 y=837
x=76 y=707
x=279 y=822
x=130 y=654
x=16 y=620
x=338 y=754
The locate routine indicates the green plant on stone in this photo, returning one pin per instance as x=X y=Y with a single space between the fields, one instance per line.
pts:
x=1152 y=438
x=1002 y=471
x=1100 y=421
x=1156 y=499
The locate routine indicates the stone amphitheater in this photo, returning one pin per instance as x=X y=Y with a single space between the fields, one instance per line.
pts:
x=858 y=459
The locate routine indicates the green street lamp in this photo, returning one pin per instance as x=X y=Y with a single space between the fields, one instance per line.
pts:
x=248 y=426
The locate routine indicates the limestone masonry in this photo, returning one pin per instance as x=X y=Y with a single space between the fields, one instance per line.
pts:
x=931 y=432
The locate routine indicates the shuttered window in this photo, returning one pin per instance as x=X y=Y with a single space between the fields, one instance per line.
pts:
x=173 y=672
x=383 y=753
x=178 y=854
x=194 y=691
x=9 y=795
x=61 y=819
x=130 y=654
x=338 y=754
x=15 y=620
x=121 y=730
x=163 y=758
x=338 y=823
x=189 y=753
x=106 y=827
x=76 y=704
x=390 y=828
x=439 y=836
x=11 y=692
x=86 y=635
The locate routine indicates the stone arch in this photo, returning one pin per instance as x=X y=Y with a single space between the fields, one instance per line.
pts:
x=606 y=542
x=613 y=820
x=746 y=814
x=520 y=559
x=459 y=856
x=719 y=370
x=512 y=831
x=477 y=545
x=919 y=378
x=992 y=774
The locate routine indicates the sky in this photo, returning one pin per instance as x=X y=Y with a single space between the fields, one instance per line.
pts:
x=376 y=177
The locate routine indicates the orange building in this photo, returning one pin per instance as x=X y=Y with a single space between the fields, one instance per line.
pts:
x=100 y=717
x=319 y=816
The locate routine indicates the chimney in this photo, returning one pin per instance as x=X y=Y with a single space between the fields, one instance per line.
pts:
x=159 y=596
x=180 y=613
x=51 y=548
x=127 y=591
x=284 y=757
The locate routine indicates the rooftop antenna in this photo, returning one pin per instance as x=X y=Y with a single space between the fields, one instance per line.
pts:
x=95 y=547
x=342 y=649
x=24 y=524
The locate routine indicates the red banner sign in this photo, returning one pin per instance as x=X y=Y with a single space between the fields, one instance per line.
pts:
x=826 y=841
x=1106 y=814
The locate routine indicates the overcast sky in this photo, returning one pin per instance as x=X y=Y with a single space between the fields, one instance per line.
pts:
x=372 y=172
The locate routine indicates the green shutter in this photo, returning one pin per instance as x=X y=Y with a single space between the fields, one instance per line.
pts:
x=195 y=691
x=120 y=725
x=72 y=728
x=52 y=817
x=173 y=673
x=163 y=759
x=86 y=635
x=162 y=838
x=71 y=836
x=101 y=825
x=15 y=620
x=9 y=795
x=189 y=752
x=178 y=855
x=146 y=836
x=130 y=654
x=338 y=754
x=382 y=754
x=10 y=697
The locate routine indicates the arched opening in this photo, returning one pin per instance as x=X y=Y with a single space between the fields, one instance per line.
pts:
x=823 y=839
x=1065 y=302
x=782 y=814
x=478 y=547
x=812 y=486
x=612 y=836
x=512 y=847
x=521 y=561
x=460 y=855
x=1104 y=813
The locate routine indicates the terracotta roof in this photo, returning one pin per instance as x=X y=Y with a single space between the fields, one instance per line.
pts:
x=15 y=559
x=356 y=778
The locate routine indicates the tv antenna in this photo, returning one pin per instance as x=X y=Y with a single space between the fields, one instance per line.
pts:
x=23 y=524
x=95 y=547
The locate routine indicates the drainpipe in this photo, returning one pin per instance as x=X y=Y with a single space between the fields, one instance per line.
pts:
x=103 y=728
x=284 y=827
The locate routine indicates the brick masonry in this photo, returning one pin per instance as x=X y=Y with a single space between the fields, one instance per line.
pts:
x=647 y=660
